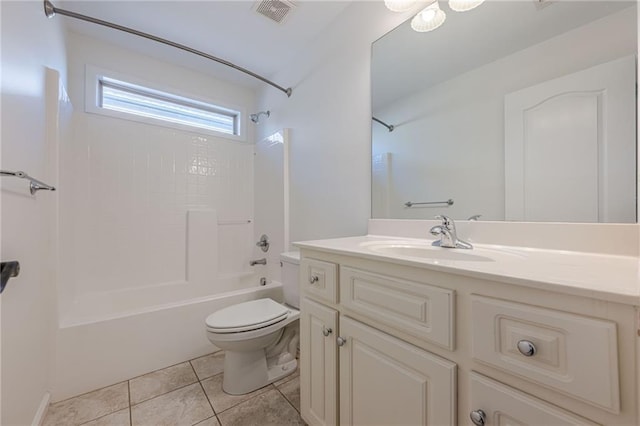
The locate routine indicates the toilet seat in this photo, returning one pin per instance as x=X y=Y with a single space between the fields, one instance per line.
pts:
x=246 y=316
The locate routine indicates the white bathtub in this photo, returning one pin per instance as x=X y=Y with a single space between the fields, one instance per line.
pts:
x=108 y=339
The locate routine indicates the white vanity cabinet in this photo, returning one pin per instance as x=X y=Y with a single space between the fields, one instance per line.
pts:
x=392 y=343
x=382 y=379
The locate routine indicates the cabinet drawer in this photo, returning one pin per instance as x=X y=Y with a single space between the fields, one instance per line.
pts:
x=318 y=279
x=503 y=405
x=569 y=353
x=421 y=310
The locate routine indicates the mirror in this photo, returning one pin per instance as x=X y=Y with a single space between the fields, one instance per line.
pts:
x=519 y=111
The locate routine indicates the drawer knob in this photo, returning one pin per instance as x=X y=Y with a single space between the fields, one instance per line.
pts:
x=314 y=279
x=341 y=341
x=478 y=417
x=326 y=331
x=526 y=348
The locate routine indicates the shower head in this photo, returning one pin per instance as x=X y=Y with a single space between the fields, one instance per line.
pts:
x=256 y=117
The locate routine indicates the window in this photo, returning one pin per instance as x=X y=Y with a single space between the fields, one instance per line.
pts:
x=127 y=100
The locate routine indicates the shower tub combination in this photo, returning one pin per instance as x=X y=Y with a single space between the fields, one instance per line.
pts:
x=97 y=346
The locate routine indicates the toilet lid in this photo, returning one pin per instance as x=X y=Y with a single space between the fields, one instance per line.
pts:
x=247 y=316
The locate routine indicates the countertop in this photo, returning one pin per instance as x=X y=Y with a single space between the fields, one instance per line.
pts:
x=612 y=278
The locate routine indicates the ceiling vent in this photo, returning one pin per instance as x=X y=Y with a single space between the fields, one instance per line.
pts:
x=541 y=4
x=276 y=10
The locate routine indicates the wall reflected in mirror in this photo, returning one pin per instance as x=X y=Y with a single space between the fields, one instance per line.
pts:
x=519 y=111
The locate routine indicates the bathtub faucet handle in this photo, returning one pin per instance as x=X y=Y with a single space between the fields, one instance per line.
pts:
x=263 y=243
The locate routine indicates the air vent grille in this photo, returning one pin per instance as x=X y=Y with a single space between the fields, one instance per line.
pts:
x=276 y=10
x=541 y=4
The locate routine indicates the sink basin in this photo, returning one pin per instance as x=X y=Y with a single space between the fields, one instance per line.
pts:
x=426 y=251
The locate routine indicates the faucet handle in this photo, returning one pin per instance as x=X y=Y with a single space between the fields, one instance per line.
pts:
x=446 y=221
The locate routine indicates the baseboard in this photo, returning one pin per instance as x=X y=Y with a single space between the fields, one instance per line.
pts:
x=42 y=410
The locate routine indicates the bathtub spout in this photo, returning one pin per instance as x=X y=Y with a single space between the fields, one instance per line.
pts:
x=262 y=261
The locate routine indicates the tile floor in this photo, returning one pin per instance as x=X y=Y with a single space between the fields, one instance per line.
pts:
x=186 y=394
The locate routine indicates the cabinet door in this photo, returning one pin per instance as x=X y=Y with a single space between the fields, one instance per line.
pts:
x=385 y=381
x=318 y=363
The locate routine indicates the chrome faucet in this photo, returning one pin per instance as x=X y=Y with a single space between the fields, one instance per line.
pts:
x=447 y=233
x=262 y=261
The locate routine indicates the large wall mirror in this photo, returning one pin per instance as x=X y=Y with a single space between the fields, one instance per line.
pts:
x=515 y=110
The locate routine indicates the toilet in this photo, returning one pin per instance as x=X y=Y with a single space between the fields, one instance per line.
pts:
x=260 y=337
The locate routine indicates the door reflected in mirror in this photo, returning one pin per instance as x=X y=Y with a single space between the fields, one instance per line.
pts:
x=512 y=111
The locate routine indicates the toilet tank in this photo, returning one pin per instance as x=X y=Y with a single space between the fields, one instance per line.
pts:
x=290 y=262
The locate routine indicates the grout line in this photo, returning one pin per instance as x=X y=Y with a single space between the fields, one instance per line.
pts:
x=164 y=393
x=203 y=420
x=104 y=415
x=130 y=410
x=172 y=365
x=205 y=393
x=287 y=399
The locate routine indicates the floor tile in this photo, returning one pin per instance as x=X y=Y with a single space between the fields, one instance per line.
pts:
x=89 y=406
x=185 y=406
x=222 y=401
x=209 y=365
x=160 y=382
x=119 y=418
x=268 y=408
x=211 y=421
x=291 y=391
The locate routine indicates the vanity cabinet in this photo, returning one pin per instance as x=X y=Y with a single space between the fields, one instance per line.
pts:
x=382 y=379
x=390 y=343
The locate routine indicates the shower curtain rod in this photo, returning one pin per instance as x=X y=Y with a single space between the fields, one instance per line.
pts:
x=50 y=10
x=389 y=127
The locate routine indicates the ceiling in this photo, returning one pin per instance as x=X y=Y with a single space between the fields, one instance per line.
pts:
x=230 y=30
x=405 y=61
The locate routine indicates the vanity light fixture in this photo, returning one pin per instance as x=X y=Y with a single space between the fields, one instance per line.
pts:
x=464 y=5
x=400 y=5
x=430 y=18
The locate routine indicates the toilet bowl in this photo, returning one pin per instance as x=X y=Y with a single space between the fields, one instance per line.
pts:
x=260 y=337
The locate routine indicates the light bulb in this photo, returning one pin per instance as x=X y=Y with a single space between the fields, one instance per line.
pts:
x=400 y=5
x=430 y=18
x=428 y=14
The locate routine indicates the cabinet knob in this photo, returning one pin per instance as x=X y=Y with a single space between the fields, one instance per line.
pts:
x=326 y=331
x=314 y=279
x=478 y=417
x=341 y=341
x=526 y=348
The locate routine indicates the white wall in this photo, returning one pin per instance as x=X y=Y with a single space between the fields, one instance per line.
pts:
x=434 y=157
x=128 y=187
x=30 y=43
x=329 y=114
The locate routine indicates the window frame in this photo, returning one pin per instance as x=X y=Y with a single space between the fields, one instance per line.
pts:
x=93 y=100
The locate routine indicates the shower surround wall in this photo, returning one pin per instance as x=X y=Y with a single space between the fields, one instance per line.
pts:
x=133 y=191
x=151 y=219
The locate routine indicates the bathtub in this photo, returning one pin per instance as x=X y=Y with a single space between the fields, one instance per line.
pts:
x=109 y=338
